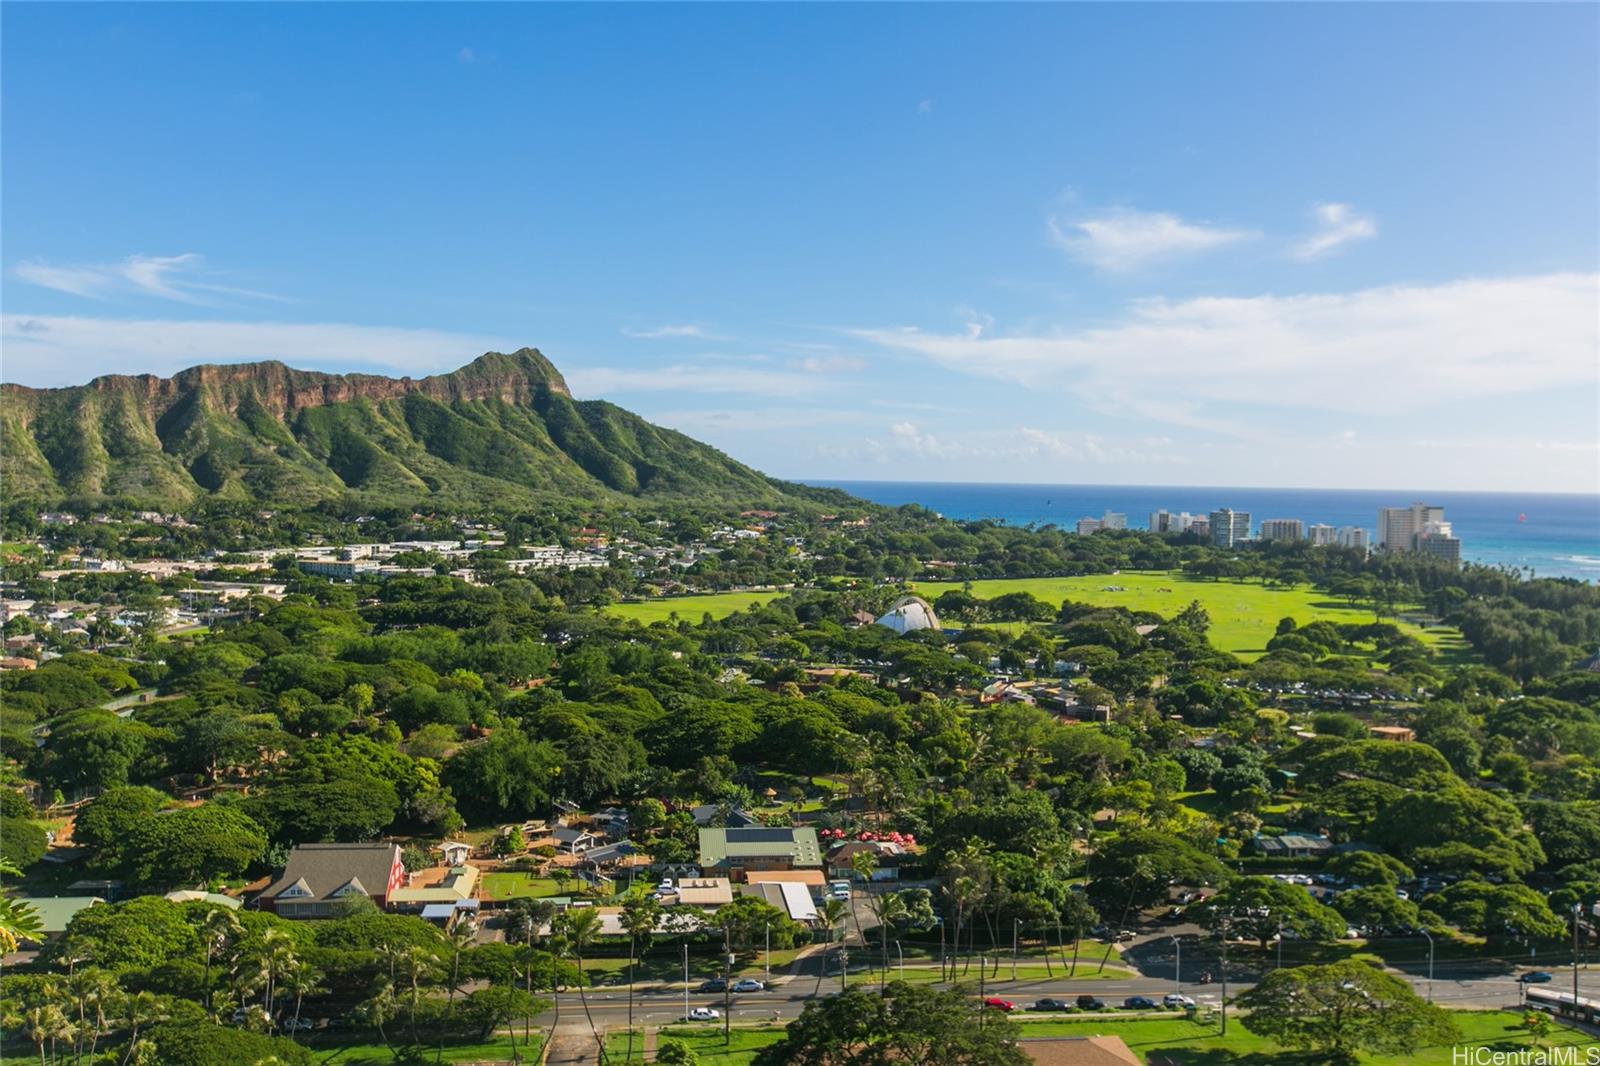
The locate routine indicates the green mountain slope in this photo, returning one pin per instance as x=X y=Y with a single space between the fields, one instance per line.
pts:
x=502 y=430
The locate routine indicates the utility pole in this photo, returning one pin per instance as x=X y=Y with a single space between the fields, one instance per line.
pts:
x=1224 y=977
x=1576 y=909
x=766 y=953
x=1280 y=944
x=1016 y=927
x=901 y=953
x=1429 y=935
x=983 y=1008
x=685 y=980
x=844 y=964
x=1177 y=965
x=727 y=988
x=941 y=948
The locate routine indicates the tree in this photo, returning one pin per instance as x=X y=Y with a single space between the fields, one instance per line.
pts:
x=1137 y=868
x=105 y=825
x=494 y=1007
x=909 y=1024
x=206 y=1044
x=676 y=1053
x=505 y=776
x=1369 y=868
x=1341 y=1009
x=192 y=845
x=1261 y=907
x=1376 y=907
x=1481 y=907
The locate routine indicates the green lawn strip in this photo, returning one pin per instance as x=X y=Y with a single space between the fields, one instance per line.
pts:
x=1199 y=1043
x=497 y=1049
x=660 y=966
x=690 y=608
x=705 y=1042
x=1244 y=615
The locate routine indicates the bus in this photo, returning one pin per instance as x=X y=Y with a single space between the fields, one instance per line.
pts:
x=1565 y=1005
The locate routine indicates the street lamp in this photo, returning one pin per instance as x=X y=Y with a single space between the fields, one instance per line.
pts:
x=902 y=956
x=1016 y=927
x=766 y=953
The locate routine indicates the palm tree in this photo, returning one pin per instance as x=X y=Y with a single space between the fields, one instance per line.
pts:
x=219 y=931
x=833 y=913
x=46 y=1025
x=138 y=1010
x=525 y=919
x=302 y=980
x=87 y=992
x=379 y=1009
x=261 y=967
x=639 y=918
x=580 y=926
x=890 y=909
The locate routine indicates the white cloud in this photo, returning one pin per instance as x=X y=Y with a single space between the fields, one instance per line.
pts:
x=688 y=377
x=1025 y=445
x=925 y=107
x=1127 y=239
x=829 y=364
x=669 y=331
x=466 y=55
x=1340 y=224
x=1401 y=348
x=184 y=278
x=47 y=350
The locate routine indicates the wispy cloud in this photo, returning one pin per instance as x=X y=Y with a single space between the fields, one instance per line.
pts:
x=829 y=364
x=1126 y=239
x=1386 y=350
x=466 y=55
x=925 y=107
x=1022 y=444
x=670 y=332
x=1339 y=225
x=59 y=350
x=184 y=278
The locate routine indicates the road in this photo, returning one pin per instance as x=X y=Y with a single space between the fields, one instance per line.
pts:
x=1459 y=984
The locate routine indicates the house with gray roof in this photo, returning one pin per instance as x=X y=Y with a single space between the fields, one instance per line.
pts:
x=319 y=877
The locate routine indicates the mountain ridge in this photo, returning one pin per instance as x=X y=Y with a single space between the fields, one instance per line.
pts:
x=503 y=429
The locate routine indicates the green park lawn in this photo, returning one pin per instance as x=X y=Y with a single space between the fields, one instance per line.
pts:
x=705 y=1041
x=690 y=608
x=1244 y=615
x=516 y=884
x=1198 y=1043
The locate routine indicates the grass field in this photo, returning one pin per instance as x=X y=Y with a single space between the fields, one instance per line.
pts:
x=515 y=884
x=690 y=608
x=1244 y=615
x=1173 y=1040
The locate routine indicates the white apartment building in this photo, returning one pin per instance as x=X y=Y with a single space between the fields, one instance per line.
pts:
x=1087 y=526
x=1354 y=537
x=1229 y=527
x=1113 y=520
x=1399 y=527
x=1283 y=529
x=1321 y=534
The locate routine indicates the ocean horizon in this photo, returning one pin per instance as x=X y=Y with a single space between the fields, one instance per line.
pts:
x=1544 y=534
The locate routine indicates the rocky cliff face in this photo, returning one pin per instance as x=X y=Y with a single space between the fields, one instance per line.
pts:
x=282 y=390
x=501 y=430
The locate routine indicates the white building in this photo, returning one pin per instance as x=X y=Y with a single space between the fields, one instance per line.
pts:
x=1399 y=527
x=1355 y=537
x=1087 y=526
x=1229 y=527
x=1321 y=535
x=1282 y=529
x=1113 y=520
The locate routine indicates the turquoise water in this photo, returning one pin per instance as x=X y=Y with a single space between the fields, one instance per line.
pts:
x=1551 y=535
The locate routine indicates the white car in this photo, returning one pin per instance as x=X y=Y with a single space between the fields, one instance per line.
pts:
x=1176 y=999
x=704 y=1014
x=749 y=984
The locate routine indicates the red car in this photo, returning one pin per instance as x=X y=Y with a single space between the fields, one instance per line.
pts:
x=996 y=1003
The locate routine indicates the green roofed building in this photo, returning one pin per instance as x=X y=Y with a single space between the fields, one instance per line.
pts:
x=733 y=851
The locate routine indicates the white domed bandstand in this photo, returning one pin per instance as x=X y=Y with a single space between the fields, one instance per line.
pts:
x=908 y=614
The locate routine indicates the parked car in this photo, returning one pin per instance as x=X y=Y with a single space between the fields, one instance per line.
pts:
x=704 y=1014
x=996 y=1003
x=1536 y=977
x=713 y=984
x=1087 y=1002
x=839 y=890
x=1124 y=935
x=1051 y=1004
x=1176 y=999
x=1138 y=1003
x=749 y=984
x=298 y=1025
x=664 y=887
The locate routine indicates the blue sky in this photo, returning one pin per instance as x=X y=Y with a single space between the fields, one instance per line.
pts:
x=1306 y=245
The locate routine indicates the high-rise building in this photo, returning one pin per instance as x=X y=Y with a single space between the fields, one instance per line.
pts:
x=1200 y=527
x=1229 y=527
x=1354 y=537
x=1087 y=526
x=1322 y=535
x=1162 y=522
x=1113 y=520
x=1438 y=540
x=1399 y=527
x=1282 y=529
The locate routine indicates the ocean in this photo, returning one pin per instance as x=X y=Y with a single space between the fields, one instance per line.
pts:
x=1550 y=535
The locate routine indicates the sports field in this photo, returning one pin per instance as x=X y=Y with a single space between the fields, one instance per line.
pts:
x=1244 y=615
x=690 y=608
